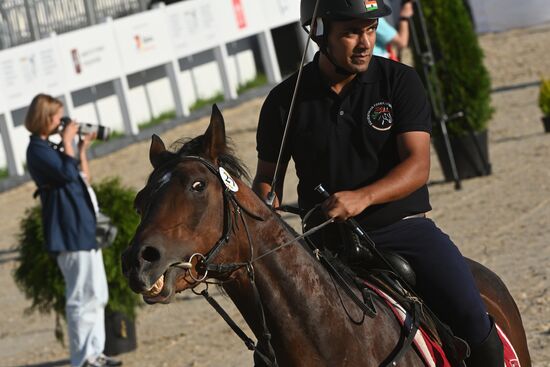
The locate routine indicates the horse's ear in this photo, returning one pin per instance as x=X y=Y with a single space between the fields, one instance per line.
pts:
x=214 y=142
x=156 y=151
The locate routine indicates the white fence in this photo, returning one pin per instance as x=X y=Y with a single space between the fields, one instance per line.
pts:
x=107 y=56
x=501 y=15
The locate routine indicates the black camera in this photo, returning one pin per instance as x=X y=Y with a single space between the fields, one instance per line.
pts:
x=84 y=128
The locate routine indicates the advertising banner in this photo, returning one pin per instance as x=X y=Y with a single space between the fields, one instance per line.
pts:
x=3 y=106
x=280 y=12
x=89 y=56
x=192 y=26
x=143 y=41
x=28 y=70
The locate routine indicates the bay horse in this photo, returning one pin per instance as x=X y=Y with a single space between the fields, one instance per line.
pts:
x=192 y=213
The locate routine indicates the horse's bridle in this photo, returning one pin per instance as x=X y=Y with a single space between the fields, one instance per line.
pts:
x=205 y=264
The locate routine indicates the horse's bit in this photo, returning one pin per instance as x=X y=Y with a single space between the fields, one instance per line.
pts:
x=204 y=264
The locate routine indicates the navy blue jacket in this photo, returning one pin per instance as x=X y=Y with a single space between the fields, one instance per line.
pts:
x=67 y=211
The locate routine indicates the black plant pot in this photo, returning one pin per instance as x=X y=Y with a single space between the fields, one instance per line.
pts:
x=546 y=123
x=470 y=152
x=120 y=334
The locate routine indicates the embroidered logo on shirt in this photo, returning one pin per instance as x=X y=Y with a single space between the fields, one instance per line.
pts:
x=380 y=116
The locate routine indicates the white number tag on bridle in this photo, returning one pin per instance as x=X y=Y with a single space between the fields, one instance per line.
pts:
x=228 y=181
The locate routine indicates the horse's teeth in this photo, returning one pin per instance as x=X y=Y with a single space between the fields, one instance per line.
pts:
x=156 y=288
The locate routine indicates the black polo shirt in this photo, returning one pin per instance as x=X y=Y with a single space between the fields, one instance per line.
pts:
x=347 y=141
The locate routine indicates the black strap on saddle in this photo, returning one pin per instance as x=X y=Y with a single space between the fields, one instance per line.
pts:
x=409 y=330
x=453 y=346
x=345 y=277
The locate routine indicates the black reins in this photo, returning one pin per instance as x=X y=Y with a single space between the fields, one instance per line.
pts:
x=205 y=265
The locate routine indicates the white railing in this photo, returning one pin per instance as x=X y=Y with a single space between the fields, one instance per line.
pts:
x=23 y=21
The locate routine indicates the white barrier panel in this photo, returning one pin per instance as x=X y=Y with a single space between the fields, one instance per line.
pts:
x=280 y=12
x=28 y=70
x=110 y=51
x=192 y=26
x=501 y=15
x=3 y=106
x=143 y=41
x=3 y=111
x=90 y=56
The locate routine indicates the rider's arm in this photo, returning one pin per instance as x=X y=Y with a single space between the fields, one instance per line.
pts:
x=268 y=144
x=405 y=178
x=263 y=180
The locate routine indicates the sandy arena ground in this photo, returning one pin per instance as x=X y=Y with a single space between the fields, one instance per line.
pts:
x=500 y=220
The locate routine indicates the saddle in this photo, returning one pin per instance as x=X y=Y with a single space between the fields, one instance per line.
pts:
x=394 y=276
x=362 y=260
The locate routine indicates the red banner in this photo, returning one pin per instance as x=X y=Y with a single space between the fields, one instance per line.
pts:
x=239 y=14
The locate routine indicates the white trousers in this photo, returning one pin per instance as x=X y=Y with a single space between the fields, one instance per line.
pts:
x=86 y=294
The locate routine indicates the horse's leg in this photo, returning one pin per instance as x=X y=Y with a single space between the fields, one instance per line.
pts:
x=502 y=307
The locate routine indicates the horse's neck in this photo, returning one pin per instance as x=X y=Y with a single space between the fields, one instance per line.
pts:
x=296 y=293
x=310 y=319
x=280 y=270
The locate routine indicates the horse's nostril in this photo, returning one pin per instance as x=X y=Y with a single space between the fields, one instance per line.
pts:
x=150 y=254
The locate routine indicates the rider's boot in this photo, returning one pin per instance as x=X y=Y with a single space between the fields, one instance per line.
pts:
x=490 y=353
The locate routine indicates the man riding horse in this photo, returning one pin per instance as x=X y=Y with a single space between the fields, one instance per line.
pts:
x=376 y=165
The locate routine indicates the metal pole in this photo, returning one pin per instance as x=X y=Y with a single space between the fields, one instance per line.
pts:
x=425 y=54
x=90 y=12
x=269 y=56
x=32 y=20
x=143 y=5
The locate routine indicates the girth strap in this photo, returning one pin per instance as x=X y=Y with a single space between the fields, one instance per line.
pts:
x=367 y=309
x=405 y=344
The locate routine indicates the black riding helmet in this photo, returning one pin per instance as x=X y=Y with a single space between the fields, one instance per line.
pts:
x=338 y=10
x=343 y=10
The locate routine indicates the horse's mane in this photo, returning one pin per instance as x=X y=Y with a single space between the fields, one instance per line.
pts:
x=227 y=159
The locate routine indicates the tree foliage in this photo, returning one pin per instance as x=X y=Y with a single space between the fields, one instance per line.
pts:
x=544 y=97
x=462 y=77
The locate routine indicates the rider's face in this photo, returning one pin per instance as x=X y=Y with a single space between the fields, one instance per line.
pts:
x=350 y=43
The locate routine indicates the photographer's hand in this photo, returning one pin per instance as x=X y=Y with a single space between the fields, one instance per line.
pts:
x=83 y=145
x=67 y=136
x=85 y=142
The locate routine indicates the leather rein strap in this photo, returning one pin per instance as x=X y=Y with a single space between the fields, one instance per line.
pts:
x=230 y=200
x=206 y=265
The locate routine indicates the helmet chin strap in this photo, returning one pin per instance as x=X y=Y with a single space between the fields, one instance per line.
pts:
x=321 y=37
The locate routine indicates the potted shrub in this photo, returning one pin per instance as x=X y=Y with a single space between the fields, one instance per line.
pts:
x=40 y=279
x=544 y=103
x=463 y=83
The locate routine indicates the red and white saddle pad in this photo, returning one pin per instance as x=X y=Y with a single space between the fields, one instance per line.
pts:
x=430 y=351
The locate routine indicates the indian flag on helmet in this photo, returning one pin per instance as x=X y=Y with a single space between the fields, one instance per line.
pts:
x=371 y=5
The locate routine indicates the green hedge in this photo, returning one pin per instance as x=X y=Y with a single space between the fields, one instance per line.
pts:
x=37 y=274
x=544 y=97
x=464 y=81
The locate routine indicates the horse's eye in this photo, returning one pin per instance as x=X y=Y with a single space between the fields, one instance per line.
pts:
x=198 y=186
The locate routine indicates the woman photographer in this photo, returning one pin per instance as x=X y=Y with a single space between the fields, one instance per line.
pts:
x=69 y=223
